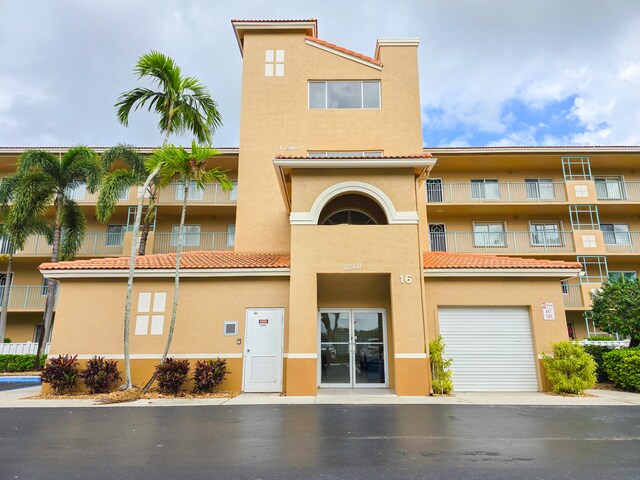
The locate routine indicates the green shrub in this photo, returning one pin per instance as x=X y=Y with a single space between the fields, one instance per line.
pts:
x=209 y=374
x=623 y=367
x=61 y=373
x=601 y=338
x=19 y=363
x=570 y=369
x=440 y=374
x=171 y=375
x=7 y=340
x=596 y=351
x=100 y=375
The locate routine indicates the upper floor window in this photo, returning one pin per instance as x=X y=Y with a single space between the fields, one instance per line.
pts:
x=489 y=234
x=191 y=235
x=76 y=192
x=274 y=63
x=539 y=188
x=620 y=275
x=485 y=189
x=344 y=94
x=616 y=233
x=352 y=209
x=376 y=153
x=609 y=188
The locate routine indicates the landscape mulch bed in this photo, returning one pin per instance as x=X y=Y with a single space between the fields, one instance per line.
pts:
x=19 y=374
x=129 y=395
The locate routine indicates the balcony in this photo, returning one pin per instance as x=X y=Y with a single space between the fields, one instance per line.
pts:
x=622 y=242
x=572 y=295
x=94 y=244
x=26 y=298
x=497 y=192
x=502 y=243
x=617 y=191
x=206 y=241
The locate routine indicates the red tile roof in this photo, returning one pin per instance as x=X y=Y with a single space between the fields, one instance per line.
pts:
x=188 y=260
x=385 y=157
x=221 y=260
x=343 y=50
x=466 y=260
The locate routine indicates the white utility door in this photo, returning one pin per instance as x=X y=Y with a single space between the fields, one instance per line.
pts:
x=263 y=350
x=491 y=347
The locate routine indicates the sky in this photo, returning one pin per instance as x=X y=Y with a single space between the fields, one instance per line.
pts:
x=493 y=72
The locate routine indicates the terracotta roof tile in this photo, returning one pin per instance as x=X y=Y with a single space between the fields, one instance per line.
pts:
x=188 y=260
x=344 y=50
x=465 y=260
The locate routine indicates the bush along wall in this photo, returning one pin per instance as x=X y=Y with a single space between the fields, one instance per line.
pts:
x=19 y=363
x=623 y=367
x=596 y=351
x=441 y=381
x=570 y=369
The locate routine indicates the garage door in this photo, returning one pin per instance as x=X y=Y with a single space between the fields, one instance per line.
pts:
x=492 y=349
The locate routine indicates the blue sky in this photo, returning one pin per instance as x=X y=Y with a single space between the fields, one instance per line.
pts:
x=492 y=72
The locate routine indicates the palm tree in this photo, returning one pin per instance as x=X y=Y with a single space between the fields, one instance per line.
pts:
x=184 y=105
x=190 y=169
x=43 y=180
x=125 y=169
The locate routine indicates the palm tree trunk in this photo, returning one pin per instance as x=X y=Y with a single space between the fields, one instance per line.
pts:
x=176 y=287
x=5 y=297
x=144 y=235
x=51 y=284
x=132 y=267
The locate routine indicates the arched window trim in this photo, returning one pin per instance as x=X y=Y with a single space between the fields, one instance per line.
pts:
x=393 y=217
x=352 y=209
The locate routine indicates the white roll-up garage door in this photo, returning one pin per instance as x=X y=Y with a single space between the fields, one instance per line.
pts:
x=492 y=349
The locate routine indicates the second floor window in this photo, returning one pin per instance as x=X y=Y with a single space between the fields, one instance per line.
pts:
x=485 y=189
x=539 y=188
x=77 y=191
x=546 y=234
x=625 y=275
x=489 y=235
x=191 y=235
x=195 y=193
x=609 y=188
x=346 y=94
x=115 y=235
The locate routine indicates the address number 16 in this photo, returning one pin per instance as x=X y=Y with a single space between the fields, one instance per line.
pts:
x=406 y=279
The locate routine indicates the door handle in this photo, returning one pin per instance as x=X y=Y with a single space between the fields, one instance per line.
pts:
x=248 y=350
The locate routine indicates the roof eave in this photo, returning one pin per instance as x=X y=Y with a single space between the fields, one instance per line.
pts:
x=561 y=273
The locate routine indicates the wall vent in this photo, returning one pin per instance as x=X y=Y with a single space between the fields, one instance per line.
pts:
x=230 y=329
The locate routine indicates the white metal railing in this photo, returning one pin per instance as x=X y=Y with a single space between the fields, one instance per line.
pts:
x=607 y=343
x=208 y=241
x=93 y=244
x=25 y=348
x=572 y=295
x=502 y=242
x=621 y=242
x=26 y=297
x=618 y=191
x=500 y=192
x=211 y=194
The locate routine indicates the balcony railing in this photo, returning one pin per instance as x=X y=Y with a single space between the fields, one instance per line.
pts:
x=94 y=244
x=572 y=295
x=622 y=242
x=501 y=192
x=218 y=241
x=211 y=194
x=618 y=191
x=22 y=348
x=32 y=297
x=502 y=242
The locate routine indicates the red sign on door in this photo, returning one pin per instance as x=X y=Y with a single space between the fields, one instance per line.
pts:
x=263 y=321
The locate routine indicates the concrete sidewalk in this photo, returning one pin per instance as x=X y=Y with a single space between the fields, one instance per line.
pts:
x=17 y=399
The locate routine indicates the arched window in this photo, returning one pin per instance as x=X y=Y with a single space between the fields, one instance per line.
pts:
x=352 y=209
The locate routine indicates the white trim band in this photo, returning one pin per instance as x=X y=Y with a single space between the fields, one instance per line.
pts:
x=354 y=163
x=155 y=356
x=165 y=272
x=502 y=272
x=301 y=355
x=411 y=355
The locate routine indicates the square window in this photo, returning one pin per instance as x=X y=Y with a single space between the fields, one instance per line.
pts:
x=581 y=191
x=142 y=325
x=279 y=69
x=157 y=324
x=589 y=241
x=144 y=302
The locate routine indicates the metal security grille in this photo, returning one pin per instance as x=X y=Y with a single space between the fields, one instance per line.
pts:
x=576 y=168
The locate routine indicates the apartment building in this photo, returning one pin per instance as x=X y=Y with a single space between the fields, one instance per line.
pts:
x=347 y=246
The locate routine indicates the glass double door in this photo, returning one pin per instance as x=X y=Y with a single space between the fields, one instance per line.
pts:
x=353 y=348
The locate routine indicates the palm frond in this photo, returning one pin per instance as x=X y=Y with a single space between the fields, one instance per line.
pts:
x=74 y=225
x=125 y=154
x=137 y=97
x=81 y=165
x=111 y=189
x=160 y=69
x=38 y=160
x=7 y=185
x=33 y=194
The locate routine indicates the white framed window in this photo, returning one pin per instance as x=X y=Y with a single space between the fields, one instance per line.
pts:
x=539 y=188
x=546 y=234
x=609 y=188
x=625 y=275
x=195 y=193
x=485 y=189
x=365 y=153
x=233 y=194
x=151 y=308
x=115 y=235
x=274 y=63
x=231 y=235
x=124 y=195
x=487 y=234
x=616 y=233
x=353 y=94
x=191 y=236
x=76 y=192
x=589 y=241
x=581 y=190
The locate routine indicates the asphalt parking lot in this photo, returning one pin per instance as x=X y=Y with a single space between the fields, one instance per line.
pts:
x=321 y=442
